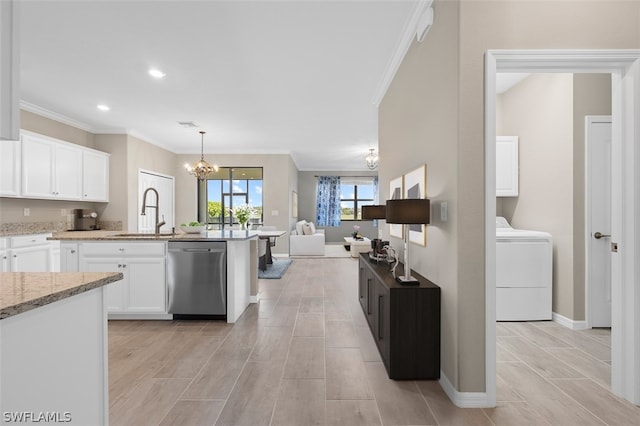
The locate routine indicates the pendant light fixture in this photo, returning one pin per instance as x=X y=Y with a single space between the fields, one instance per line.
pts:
x=201 y=169
x=372 y=159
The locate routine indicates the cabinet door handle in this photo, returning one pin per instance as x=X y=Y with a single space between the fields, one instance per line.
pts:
x=120 y=249
x=369 y=296
x=380 y=296
x=124 y=265
x=73 y=251
x=119 y=265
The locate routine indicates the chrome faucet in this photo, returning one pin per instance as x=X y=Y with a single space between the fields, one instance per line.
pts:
x=144 y=208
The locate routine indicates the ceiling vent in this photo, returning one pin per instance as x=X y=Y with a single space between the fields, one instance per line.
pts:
x=187 y=124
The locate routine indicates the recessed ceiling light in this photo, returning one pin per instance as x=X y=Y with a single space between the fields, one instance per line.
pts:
x=156 y=73
x=103 y=107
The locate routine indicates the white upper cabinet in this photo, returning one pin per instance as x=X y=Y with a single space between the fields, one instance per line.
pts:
x=507 y=168
x=95 y=176
x=9 y=168
x=67 y=172
x=50 y=169
x=54 y=169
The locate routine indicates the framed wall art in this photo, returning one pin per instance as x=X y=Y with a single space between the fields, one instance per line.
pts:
x=415 y=186
x=294 y=204
x=395 y=193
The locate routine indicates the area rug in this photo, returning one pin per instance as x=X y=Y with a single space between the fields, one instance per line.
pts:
x=330 y=251
x=276 y=270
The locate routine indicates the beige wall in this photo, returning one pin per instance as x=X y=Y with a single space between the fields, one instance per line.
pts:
x=539 y=111
x=55 y=129
x=434 y=113
x=418 y=125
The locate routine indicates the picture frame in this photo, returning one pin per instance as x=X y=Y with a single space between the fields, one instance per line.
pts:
x=294 y=204
x=396 y=192
x=415 y=186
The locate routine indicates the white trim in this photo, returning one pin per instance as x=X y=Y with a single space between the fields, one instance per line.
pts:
x=117 y=316
x=402 y=47
x=463 y=399
x=568 y=322
x=490 y=231
x=56 y=117
x=624 y=66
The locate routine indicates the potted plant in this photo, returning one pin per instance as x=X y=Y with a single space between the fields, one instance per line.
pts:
x=242 y=213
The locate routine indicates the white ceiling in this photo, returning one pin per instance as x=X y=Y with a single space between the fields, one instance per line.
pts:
x=293 y=77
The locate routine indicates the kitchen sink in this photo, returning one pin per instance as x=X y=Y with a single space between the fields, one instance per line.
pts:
x=144 y=235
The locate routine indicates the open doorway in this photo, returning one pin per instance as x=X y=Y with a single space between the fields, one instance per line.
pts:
x=624 y=67
x=544 y=255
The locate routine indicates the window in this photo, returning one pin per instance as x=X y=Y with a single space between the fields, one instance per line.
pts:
x=228 y=188
x=355 y=193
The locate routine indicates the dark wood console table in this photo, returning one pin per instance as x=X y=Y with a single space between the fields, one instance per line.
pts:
x=404 y=320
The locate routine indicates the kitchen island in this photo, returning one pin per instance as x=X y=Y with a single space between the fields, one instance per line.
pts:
x=53 y=347
x=142 y=293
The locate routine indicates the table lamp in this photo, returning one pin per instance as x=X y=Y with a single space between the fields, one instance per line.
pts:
x=374 y=212
x=411 y=211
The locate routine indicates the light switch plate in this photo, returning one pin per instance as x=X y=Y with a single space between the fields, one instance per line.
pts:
x=27 y=211
x=444 y=211
x=275 y=212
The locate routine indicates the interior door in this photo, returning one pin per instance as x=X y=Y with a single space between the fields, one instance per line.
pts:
x=165 y=186
x=598 y=139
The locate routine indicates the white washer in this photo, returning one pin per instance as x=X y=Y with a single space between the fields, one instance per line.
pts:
x=524 y=273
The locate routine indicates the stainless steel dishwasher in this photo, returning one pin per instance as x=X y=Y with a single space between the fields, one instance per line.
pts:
x=197 y=279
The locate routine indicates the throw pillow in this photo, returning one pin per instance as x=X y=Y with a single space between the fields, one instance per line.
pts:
x=299 y=227
x=313 y=228
x=306 y=229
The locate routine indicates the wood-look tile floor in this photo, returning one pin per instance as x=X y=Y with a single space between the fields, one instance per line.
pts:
x=304 y=356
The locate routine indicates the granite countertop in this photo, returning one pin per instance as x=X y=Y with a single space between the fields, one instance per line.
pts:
x=229 y=235
x=24 y=291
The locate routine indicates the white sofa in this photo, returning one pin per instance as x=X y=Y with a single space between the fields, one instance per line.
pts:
x=311 y=244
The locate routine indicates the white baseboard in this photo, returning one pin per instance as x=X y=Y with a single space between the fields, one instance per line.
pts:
x=254 y=299
x=118 y=316
x=463 y=399
x=569 y=323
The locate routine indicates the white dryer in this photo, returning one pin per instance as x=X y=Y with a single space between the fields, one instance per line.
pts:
x=524 y=273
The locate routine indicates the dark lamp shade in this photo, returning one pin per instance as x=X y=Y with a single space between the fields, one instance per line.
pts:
x=374 y=212
x=408 y=211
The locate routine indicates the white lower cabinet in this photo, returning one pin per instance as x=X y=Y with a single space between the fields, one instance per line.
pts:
x=143 y=288
x=69 y=257
x=28 y=253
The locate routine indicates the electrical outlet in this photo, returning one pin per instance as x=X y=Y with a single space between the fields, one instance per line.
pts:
x=275 y=212
x=27 y=211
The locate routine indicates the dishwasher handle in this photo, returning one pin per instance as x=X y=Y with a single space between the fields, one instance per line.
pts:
x=197 y=250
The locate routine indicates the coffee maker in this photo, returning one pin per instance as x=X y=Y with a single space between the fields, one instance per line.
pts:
x=85 y=220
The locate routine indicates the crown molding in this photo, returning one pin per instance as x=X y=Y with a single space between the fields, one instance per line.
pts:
x=402 y=47
x=56 y=116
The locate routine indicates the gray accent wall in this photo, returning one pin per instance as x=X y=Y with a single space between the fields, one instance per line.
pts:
x=307 y=185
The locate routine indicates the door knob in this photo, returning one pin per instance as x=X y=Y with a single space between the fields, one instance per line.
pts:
x=599 y=235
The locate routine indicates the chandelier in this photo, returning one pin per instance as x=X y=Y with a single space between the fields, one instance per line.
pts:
x=372 y=159
x=201 y=169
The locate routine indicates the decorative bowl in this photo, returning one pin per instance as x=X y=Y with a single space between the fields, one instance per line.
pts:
x=193 y=229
